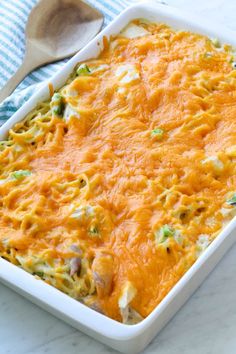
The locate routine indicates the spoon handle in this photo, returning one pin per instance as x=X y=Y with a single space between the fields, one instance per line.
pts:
x=26 y=67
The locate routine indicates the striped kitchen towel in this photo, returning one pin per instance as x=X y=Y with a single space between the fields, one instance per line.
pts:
x=13 y=18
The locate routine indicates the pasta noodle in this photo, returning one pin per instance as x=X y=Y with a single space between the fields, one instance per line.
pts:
x=113 y=188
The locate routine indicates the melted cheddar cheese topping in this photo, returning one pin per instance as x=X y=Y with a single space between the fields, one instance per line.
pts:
x=113 y=189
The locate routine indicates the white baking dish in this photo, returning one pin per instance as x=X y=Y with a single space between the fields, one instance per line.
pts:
x=128 y=339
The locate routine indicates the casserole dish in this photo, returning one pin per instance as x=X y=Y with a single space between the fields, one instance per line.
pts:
x=119 y=336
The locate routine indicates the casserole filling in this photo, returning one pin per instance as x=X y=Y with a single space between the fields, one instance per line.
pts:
x=111 y=190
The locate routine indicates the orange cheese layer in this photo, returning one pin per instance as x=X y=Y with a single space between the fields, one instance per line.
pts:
x=137 y=181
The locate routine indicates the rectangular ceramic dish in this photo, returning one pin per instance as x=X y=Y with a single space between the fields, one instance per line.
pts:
x=127 y=339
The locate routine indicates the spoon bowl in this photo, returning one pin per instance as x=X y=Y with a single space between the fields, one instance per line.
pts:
x=59 y=28
x=56 y=29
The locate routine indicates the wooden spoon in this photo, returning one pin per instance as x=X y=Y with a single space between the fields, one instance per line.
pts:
x=56 y=29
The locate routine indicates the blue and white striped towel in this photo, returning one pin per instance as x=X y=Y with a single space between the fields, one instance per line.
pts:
x=13 y=18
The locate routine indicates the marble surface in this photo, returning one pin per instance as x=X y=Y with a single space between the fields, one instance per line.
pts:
x=205 y=325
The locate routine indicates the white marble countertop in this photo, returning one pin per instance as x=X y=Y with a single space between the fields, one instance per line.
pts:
x=205 y=325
